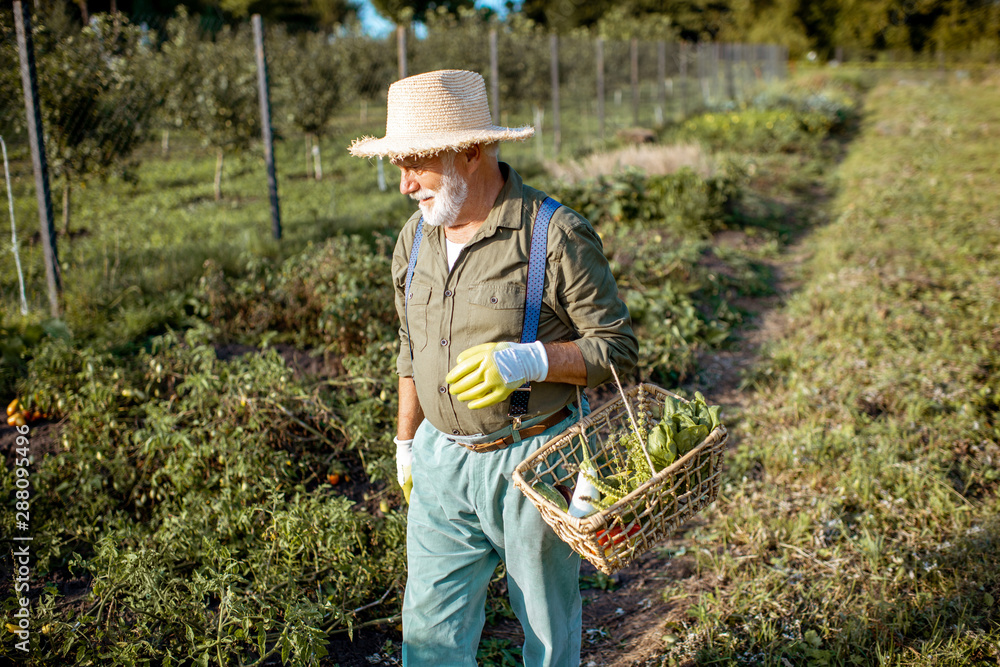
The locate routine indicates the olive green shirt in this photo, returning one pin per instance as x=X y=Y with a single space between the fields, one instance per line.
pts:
x=482 y=300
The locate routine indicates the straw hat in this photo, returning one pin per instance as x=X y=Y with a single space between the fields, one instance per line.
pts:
x=437 y=111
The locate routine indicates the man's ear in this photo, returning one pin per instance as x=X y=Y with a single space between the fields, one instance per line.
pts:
x=473 y=157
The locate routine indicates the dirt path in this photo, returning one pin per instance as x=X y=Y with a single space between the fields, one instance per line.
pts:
x=632 y=625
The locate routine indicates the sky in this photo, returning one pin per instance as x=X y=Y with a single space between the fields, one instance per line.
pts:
x=377 y=26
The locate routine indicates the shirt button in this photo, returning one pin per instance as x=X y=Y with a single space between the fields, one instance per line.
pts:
x=442 y=390
x=493 y=299
x=444 y=342
x=454 y=431
x=448 y=292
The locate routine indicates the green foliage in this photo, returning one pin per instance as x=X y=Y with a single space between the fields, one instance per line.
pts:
x=191 y=496
x=864 y=492
x=495 y=652
x=310 y=95
x=336 y=297
x=11 y=100
x=682 y=202
x=674 y=301
x=682 y=426
x=404 y=11
x=95 y=99
x=16 y=343
x=218 y=94
x=776 y=119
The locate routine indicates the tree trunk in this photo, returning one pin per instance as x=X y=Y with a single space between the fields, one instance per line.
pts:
x=218 y=176
x=165 y=142
x=308 y=155
x=65 y=220
x=317 y=160
x=84 y=14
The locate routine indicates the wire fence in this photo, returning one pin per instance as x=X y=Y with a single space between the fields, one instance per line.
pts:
x=117 y=93
x=114 y=88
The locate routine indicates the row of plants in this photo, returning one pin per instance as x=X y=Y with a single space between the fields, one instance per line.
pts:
x=859 y=521
x=209 y=508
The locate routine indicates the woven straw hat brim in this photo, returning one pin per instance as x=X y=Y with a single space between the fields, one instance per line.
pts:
x=436 y=111
x=398 y=147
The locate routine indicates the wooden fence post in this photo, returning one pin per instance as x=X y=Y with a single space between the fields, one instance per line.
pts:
x=33 y=111
x=265 y=124
x=401 y=50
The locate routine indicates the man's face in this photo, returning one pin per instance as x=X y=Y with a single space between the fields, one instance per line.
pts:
x=435 y=184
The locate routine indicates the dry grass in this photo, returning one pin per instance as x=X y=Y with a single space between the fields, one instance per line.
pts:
x=654 y=160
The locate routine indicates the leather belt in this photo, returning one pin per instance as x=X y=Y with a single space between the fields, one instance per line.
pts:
x=522 y=433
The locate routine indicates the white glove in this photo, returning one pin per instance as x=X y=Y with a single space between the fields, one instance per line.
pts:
x=404 y=465
x=522 y=362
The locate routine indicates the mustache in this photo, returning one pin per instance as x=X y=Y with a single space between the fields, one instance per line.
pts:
x=421 y=195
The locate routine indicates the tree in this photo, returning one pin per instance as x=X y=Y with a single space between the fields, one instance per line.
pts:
x=95 y=102
x=770 y=22
x=11 y=104
x=692 y=20
x=306 y=96
x=319 y=14
x=212 y=87
x=402 y=12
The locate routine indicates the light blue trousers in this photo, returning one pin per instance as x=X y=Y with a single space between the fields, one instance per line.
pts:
x=466 y=516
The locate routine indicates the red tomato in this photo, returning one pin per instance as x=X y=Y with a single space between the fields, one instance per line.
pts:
x=616 y=535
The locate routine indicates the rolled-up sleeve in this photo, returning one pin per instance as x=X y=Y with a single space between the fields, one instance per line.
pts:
x=400 y=263
x=588 y=296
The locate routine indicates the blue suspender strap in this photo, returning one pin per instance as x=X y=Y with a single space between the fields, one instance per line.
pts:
x=414 y=251
x=533 y=299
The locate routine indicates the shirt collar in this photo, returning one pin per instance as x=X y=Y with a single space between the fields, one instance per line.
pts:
x=506 y=211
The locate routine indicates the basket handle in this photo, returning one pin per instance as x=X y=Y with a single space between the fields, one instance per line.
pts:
x=635 y=425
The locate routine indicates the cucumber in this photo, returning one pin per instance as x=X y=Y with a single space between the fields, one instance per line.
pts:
x=550 y=493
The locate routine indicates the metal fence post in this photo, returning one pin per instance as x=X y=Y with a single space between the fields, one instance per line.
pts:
x=634 y=79
x=661 y=75
x=33 y=111
x=556 y=131
x=600 y=85
x=684 y=55
x=265 y=124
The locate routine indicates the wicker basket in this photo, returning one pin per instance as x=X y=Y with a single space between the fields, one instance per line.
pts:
x=611 y=539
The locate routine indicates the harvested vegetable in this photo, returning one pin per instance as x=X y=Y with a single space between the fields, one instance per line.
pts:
x=550 y=493
x=585 y=493
x=683 y=426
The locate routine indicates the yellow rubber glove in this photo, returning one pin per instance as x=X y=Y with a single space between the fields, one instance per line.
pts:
x=487 y=374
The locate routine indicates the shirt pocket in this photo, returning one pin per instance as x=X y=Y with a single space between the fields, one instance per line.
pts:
x=418 y=301
x=496 y=312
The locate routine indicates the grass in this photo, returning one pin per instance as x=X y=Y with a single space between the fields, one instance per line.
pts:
x=860 y=520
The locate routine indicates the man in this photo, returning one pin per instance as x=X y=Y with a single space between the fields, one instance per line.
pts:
x=464 y=422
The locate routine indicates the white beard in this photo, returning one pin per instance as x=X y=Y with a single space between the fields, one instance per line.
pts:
x=448 y=199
